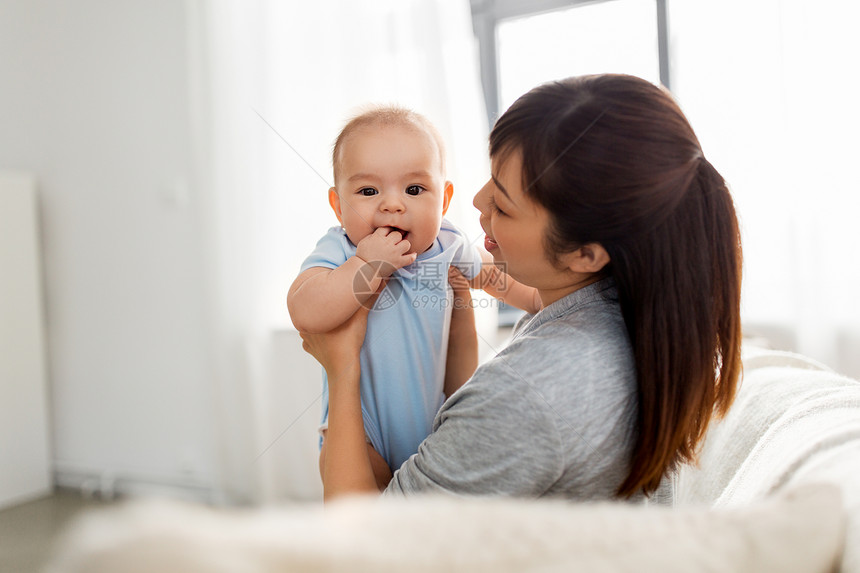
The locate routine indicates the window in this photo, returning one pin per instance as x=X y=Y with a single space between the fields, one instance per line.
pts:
x=525 y=43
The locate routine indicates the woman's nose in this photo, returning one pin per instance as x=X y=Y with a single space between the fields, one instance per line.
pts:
x=480 y=197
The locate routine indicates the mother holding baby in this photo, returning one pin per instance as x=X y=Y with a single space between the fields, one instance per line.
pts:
x=600 y=197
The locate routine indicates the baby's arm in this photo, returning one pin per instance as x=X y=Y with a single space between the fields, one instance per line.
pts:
x=462 y=339
x=495 y=282
x=321 y=299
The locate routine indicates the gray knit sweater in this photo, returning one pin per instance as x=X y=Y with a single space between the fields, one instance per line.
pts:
x=553 y=414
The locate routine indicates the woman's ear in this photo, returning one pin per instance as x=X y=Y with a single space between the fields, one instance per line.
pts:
x=446 y=196
x=589 y=258
x=334 y=201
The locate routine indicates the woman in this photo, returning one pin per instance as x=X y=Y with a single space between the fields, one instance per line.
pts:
x=601 y=199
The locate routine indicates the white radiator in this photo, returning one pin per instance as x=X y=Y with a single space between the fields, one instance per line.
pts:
x=24 y=431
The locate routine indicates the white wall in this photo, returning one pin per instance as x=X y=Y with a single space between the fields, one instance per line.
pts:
x=770 y=88
x=94 y=102
x=24 y=444
x=288 y=444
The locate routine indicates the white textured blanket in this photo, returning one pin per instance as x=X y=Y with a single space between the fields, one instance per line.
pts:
x=798 y=532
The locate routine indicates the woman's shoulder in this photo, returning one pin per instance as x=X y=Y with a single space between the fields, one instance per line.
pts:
x=568 y=359
x=588 y=322
x=589 y=349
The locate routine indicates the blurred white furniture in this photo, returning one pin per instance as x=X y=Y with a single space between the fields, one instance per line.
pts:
x=24 y=444
x=794 y=422
x=776 y=490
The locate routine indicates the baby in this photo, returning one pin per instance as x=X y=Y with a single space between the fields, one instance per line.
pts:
x=390 y=196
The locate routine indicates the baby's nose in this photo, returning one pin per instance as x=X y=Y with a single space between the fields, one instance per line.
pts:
x=392 y=204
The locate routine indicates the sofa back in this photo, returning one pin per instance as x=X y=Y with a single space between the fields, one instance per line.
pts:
x=793 y=421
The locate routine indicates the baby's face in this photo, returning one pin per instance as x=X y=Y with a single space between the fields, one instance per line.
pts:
x=391 y=176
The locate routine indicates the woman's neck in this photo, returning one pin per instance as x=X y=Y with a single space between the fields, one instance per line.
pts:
x=549 y=296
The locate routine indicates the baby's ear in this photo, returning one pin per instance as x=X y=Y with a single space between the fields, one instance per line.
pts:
x=447 y=193
x=334 y=201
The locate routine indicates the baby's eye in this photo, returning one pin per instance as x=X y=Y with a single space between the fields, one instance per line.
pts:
x=414 y=190
x=367 y=191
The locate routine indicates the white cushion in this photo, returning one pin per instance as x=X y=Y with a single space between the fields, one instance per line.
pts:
x=839 y=465
x=800 y=531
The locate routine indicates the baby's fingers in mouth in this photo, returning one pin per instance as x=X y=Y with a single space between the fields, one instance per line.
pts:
x=399 y=230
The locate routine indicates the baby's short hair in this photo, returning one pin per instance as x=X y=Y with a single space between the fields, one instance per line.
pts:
x=387 y=115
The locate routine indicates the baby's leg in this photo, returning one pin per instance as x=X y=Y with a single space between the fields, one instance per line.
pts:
x=381 y=471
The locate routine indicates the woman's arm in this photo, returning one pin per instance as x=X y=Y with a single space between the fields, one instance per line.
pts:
x=347 y=466
x=497 y=435
x=463 y=339
x=381 y=470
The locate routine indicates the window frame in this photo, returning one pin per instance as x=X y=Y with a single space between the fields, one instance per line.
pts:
x=487 y=14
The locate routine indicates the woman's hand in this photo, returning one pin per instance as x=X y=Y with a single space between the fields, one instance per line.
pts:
x=338 y=349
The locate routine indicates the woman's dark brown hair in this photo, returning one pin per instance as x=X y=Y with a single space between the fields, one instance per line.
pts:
x=614 y=161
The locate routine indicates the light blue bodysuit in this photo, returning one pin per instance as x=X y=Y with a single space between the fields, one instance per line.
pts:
x=406 y=346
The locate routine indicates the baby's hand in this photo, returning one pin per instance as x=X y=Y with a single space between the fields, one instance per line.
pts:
x=387 y=248
x=459 y=283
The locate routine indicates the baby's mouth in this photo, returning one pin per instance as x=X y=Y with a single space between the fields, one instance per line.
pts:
x=403 y=234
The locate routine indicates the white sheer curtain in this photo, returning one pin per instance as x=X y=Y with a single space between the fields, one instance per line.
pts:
x=771 y=88
x=274 y=81
x=325 y=59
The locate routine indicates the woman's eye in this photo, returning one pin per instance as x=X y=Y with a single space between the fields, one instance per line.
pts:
x=495 y=207
x=414 y=190
x=367 y=191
